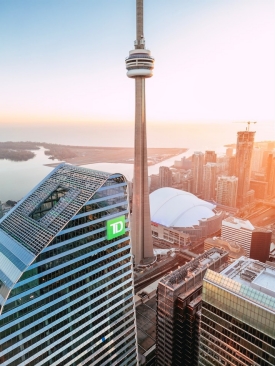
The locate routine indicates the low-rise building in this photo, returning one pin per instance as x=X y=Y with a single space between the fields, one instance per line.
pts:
x=234 y=250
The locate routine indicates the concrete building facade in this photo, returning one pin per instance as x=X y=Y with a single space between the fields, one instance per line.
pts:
x=140 y=66
x=197 y=170
x=245 y=142
x=209 y=181
x=226 y=193
x=210 y=157
x=165 y=177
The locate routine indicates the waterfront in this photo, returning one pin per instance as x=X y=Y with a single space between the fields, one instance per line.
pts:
x=18 y=178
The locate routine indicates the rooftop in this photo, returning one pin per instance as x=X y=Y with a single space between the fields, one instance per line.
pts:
x=249 y=279
x=238 y=223
x=188 y=271
x=234 y=250
x=176 y=208
x=33 y=223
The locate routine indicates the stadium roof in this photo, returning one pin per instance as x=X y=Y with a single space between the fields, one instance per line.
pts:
x=175 y=208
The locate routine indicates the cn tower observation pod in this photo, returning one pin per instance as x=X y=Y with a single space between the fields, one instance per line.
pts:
x=139 y=63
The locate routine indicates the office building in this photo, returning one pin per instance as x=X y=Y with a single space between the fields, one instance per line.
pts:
x=66 y=284
x=260 y=244
x=197 y=170
x=244 y=150
x=227 y=191
x=209 y=181
x=234 y=250
x=165 y=177
x=140 y=66
x=210 y=157
x=238 y=230
x=238 y=315
x=1 y=210
x=178 y=304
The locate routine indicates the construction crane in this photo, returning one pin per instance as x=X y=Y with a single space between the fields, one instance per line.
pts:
x=248 y=124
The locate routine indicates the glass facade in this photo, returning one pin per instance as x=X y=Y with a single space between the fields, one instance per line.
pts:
x=73 y=304
x=178 y=304
x=237 y=323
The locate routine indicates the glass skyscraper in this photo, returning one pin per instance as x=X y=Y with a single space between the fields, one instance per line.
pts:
x=238 y=315
x=66 y=284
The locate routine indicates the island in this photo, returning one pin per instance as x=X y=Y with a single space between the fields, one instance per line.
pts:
x=81 y=155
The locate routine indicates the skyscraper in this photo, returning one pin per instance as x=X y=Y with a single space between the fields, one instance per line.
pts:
x=165 y=177
x=66 y=284
x=238 y=315
x=139 y=66
x=210 y=157
x=227 y=191
x=209 y=181
x=257 y=158
x=178 y=303
x=244 y=150
x=197 y=170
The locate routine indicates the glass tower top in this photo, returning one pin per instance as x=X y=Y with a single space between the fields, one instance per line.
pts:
x=66 y=291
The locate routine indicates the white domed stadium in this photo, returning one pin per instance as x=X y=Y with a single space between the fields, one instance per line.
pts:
x=184 y=212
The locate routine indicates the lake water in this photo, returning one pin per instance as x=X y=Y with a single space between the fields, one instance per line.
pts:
x=18 y=178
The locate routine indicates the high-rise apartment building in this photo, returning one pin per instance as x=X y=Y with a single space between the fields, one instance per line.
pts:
x=227 y=191
x=210 y=157
x=209 y=181
x=238 y=315
x=66 y=283
x=140 y=66
x=197 y=170
x=178 y=303
x=165 y=177
x=244 y=150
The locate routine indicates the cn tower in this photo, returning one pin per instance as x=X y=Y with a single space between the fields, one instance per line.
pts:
x=139 y=66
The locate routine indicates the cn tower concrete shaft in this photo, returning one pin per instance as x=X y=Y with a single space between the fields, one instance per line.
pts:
x=142 y=236
x=140 y=65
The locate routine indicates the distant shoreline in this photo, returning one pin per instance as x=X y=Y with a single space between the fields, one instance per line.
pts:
x=81 y=155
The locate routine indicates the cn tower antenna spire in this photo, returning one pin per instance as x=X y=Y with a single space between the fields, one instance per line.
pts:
x=139 y=25
x=139 y=66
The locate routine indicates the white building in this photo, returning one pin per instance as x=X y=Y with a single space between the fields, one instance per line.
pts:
x=238 y=230
x=174 y=209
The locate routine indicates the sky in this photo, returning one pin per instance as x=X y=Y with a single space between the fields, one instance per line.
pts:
x=62 y=62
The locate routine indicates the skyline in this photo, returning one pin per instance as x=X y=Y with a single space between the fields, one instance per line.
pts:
x=63 y=64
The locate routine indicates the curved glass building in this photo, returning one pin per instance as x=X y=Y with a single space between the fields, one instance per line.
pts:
x=66 y=285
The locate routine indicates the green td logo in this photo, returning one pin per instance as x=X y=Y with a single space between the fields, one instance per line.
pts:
x=115 y=227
